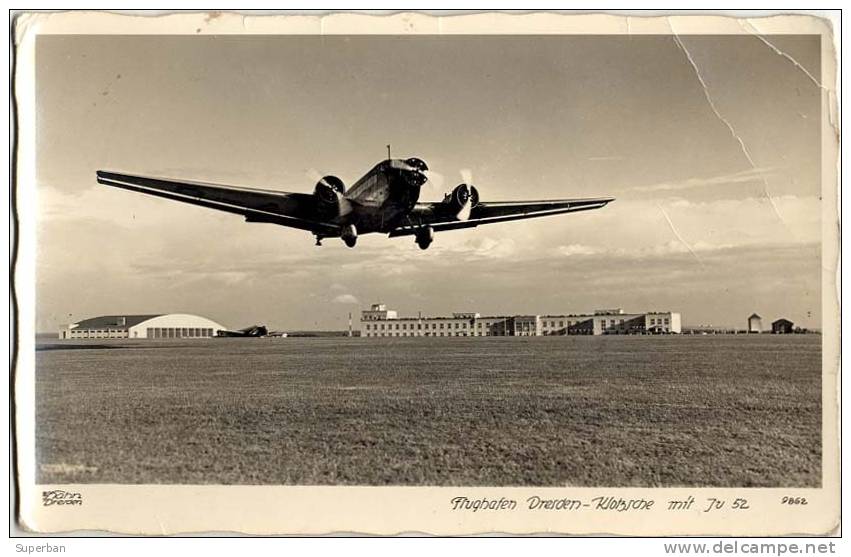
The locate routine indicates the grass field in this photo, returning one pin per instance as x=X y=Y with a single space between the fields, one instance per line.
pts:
x=581 y=411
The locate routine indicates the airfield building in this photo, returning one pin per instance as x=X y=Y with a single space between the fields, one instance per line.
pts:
x=157 y=326
x=782 y=327
x=378 y=321
x=754 y=323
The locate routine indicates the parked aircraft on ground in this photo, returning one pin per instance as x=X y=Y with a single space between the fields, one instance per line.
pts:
x=255 y=331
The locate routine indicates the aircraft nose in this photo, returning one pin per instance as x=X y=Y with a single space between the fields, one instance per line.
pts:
x=418 y=178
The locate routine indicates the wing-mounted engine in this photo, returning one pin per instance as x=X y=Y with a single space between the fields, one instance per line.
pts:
x=331 y=204
x=461 y=201
x=329 y=189
x=330 y=194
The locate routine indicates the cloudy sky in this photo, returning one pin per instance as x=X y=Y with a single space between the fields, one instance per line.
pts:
x=711 y=147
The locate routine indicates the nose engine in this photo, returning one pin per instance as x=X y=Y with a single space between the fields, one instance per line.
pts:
x=416 y=172
x=417 y=164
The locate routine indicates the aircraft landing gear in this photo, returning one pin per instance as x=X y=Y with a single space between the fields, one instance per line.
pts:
x=350 y=235
x=424 y=237
x=318 y=240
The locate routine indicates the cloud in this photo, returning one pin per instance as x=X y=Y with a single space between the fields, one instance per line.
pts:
x=488 y=248
x=346 y=299
x=231 y=278
x=577 y=249
x=672 y=247
x=743 y=177
x=109 y=206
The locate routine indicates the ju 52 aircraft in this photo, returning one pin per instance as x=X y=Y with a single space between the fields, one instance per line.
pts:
x=254 y=331
x=384 y=200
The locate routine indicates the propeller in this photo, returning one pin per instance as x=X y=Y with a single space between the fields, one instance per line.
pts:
x=465 y=199
x=337 y=197
x=466 y=195
x=316 y=176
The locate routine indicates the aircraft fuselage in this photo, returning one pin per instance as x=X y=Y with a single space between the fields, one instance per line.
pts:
x=384 y=196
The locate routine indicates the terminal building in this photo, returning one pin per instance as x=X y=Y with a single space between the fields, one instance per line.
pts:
x=158 y=326
x=378 y=321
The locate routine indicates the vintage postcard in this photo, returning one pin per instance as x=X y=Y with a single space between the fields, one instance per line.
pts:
x=458 y=274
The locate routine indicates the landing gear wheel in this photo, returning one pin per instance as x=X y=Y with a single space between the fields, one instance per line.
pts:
x=350 y=235
x=425 y=237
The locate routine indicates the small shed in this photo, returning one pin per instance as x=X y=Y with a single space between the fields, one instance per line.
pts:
x=754 y=323
x=782 y=327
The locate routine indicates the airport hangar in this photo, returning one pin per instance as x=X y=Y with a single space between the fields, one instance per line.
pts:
x=157 y=326
x=378 y=321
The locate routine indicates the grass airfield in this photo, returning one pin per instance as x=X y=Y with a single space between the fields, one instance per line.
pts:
x=541 y=411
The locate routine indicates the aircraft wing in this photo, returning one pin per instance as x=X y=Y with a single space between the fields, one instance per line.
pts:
x=296 y=210
x=436 y=215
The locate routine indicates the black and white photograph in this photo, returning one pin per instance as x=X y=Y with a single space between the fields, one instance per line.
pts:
x=530 y=268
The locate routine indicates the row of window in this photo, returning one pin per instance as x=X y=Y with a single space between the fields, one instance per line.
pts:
x=434 y=334
x=436 y=326
x=410 y=326
x=474 y=333
x=440 y=326
x=98 y=333
x=552 y=324
x=179 y=332
x=561 y=323
x=613 y=322
x=500 y=333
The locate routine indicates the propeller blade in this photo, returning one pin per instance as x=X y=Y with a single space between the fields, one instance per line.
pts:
x=316 y=176
x=466 y=202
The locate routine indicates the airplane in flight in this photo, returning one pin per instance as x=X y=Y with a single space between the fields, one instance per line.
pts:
x=385 y=200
